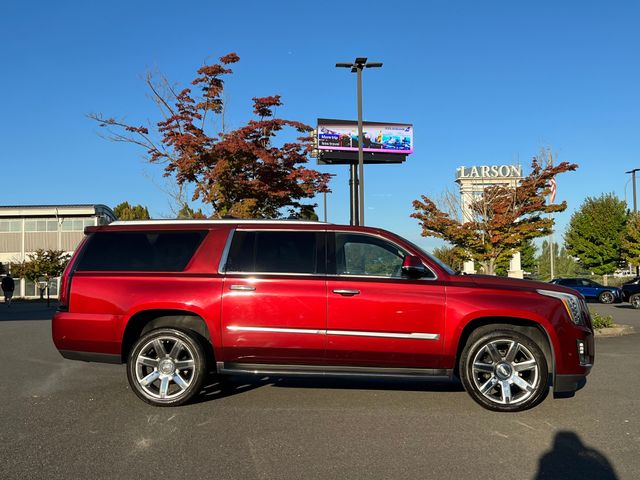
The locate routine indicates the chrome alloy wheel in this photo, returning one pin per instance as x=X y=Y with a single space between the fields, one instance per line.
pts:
x=635 y=301
x=505 y=372
x=165 y=367
x=606 y=297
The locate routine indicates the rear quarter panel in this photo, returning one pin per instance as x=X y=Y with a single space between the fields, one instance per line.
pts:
x=102 y=303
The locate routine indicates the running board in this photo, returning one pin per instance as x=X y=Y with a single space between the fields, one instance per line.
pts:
x=330 y=371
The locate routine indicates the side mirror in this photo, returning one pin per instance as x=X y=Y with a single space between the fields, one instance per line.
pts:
x=413 y=267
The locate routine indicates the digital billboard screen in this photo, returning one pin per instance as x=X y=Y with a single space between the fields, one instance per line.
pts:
x=342 y=135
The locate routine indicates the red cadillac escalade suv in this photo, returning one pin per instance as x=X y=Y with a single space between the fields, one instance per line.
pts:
x=175 y=300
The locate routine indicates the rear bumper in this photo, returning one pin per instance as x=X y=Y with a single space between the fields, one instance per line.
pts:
x=78 y=335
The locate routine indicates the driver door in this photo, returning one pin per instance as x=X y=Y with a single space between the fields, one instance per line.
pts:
x=377 y=316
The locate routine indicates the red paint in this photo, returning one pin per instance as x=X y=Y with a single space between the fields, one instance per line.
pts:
x=101 y=304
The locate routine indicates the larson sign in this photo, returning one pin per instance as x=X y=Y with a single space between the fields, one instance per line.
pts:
x=490 y=171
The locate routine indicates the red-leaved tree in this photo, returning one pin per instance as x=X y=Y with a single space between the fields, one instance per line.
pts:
x=499 y=220
x=243 y=172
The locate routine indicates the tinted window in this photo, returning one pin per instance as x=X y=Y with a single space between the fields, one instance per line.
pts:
x=567 y=282
x=367 y=255
x=140 y=251
x=274 y=252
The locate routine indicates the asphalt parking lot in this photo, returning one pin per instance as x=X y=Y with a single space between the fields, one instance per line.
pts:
x=66 y=419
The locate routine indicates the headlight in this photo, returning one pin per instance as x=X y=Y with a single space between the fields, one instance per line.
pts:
x=570 y=302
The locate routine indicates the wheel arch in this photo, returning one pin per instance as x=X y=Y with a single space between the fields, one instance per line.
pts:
x=528 y=327
x=147 y=320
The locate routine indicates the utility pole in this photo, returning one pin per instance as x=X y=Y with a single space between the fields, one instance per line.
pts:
x=356 y=180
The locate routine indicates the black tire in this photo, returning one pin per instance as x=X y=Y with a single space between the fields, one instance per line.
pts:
x=606 y=297
x=634 y=300
x=502 y=379
x=167 y=367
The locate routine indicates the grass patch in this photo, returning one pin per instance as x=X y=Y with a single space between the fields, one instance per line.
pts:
x=601 y=321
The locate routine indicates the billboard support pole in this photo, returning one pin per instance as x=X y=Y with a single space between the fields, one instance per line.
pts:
x=353 y=194
x=360 y=177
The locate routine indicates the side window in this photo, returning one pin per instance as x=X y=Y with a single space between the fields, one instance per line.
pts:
x=367 y=255
x=274 y=252
x=140 y=251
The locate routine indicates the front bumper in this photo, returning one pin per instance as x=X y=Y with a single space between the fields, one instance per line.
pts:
x=567 y=385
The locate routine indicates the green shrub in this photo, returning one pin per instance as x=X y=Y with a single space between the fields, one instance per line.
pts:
x=601 y=321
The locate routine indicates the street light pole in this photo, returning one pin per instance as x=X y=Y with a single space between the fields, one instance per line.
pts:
x=635 y=203
x=360 y=151
x=633 y=180
x=357 y=177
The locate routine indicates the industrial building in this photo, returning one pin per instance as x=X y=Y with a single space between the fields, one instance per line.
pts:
x=26 y=228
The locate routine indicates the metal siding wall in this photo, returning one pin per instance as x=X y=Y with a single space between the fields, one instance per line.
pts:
x=70 y=240
x=10 y=242
x=36 y=240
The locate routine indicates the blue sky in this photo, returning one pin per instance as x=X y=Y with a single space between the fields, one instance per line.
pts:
x=483 y=82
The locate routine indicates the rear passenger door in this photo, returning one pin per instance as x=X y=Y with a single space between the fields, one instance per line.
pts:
x=274 y=297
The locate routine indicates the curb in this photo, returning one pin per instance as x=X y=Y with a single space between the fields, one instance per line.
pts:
x=615 y=331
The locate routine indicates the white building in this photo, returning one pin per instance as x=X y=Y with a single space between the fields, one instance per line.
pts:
x=26 y=228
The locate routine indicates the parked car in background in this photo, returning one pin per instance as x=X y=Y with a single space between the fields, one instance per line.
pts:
x=175 y=300
x=631 y=292
x=590 y=289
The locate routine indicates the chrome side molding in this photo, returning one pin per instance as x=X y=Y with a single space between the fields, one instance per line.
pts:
x=352 y=333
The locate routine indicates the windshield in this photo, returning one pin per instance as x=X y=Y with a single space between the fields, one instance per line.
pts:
x=443 y=265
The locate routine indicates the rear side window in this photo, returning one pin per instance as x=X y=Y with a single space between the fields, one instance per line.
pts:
x=274 y=252
x=140 y=251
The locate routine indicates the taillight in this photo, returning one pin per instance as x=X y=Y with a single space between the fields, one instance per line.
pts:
x=65 y=286
x=64 y=291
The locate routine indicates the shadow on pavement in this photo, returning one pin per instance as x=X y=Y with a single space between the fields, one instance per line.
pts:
x=626 y=306
x=570 y=459
x=216 y=387
x=416 y=385
x=23 y=311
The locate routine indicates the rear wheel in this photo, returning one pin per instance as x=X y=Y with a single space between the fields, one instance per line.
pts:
x=635 y=300
x=166 y=367
x=606 y=297
x=504 y=371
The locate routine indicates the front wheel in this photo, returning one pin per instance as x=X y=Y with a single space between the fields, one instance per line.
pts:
x=504 y=371
x=606 y=297
x=166 y=367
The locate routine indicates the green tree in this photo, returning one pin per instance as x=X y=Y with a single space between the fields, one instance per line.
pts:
x=188 y=213
x=528 y=260
x=528 y=256
x=452 y=256
x=307 y=212
x=631 y=240
x=595 y=231
x=41 y=266
x=124 y=211
x=564 y=265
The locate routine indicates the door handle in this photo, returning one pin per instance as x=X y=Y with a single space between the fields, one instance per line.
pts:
x=242 y=288
x=346 y=292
